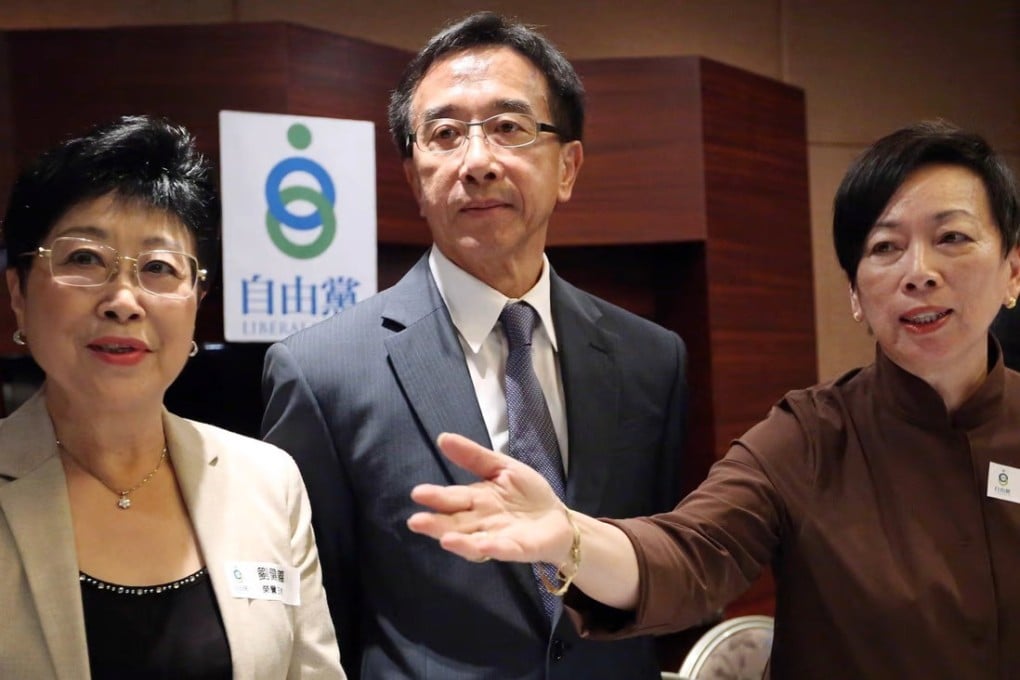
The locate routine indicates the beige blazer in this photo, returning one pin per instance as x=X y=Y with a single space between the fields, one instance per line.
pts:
x=247 y=503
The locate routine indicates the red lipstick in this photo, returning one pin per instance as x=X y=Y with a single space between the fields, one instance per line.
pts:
x=119 y=351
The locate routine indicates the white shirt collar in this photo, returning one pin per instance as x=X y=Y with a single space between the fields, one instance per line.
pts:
x=475 y=307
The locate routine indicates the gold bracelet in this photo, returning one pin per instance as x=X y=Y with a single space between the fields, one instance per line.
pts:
x=575 y=562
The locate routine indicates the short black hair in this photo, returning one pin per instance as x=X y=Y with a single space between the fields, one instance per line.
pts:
x=136 y=158
x=483 y=29
x=876 y=175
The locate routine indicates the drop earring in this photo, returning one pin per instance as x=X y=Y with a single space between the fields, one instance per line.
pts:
x=855 y=306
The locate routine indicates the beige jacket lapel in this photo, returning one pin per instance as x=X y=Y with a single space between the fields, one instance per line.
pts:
x=35 y=505
x=203 y=483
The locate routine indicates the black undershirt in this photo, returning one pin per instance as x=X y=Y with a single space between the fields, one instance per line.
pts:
x=167 y=631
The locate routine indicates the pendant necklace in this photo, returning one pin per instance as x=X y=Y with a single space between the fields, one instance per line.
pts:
x=123 y=497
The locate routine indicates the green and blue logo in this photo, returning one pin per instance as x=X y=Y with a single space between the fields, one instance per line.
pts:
x=279 y=198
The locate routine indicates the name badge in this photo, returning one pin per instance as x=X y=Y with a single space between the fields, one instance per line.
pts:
x=264 y=581
x=1004 y=482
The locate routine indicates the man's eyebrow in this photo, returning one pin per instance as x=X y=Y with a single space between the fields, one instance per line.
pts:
x=515 y=106
x=499 y=106
x=445 y=111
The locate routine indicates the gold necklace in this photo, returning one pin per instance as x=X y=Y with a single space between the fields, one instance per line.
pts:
x=123 y=502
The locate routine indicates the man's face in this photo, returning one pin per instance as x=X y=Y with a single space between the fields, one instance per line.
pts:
x=488 y=207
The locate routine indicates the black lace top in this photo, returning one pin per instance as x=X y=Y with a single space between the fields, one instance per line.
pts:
x=172 y=630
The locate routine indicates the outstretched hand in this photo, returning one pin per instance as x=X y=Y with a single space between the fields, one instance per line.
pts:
x=511 y=514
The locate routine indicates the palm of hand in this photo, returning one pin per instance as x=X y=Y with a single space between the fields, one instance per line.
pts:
x=519 y=514
x=512 y=514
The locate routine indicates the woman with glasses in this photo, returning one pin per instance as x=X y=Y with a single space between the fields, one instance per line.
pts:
x=134 y=543
x=887 y=502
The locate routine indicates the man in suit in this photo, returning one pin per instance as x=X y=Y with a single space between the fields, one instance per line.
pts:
x=488 y=118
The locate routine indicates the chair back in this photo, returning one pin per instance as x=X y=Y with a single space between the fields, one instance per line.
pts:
x=736 y=649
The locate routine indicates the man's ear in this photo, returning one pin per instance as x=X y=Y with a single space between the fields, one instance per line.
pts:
x=571 y=158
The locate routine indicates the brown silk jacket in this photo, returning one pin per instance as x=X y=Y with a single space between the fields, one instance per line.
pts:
x=873 y=506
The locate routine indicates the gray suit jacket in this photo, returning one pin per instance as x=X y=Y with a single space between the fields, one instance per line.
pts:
x=359 y=399
x=246 y=502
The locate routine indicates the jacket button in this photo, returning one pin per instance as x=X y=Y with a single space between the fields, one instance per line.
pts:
x=556 y=649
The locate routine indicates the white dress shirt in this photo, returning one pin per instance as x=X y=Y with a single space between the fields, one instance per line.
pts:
x=475 y=309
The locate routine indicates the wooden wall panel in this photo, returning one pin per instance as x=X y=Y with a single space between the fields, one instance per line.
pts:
x=67 y=80
x=339 y=77
x=642 y=180
x=758 y=246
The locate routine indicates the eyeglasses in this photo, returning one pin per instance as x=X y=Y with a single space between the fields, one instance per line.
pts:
x=508 y=130
x=87 y=264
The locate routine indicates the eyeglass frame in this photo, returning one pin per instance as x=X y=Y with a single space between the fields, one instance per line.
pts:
x=540 y=127
x=200 y=275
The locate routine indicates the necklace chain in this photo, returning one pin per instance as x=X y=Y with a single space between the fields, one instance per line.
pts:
x=123 y=500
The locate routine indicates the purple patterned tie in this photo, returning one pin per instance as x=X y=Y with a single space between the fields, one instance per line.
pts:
x=532 y=436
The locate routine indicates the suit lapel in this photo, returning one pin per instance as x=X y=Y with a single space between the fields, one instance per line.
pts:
x=203 y=484
x=429 y=364
x=37 y=510
x=591 y=386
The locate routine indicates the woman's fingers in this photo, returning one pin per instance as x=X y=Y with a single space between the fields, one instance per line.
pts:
x=463 y=537
x=446 y=499
x=432 y=524
x=456 y=509
x=498 y=517
x=472 y=457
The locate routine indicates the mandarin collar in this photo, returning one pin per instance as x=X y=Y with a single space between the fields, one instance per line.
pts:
x=919 y=403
